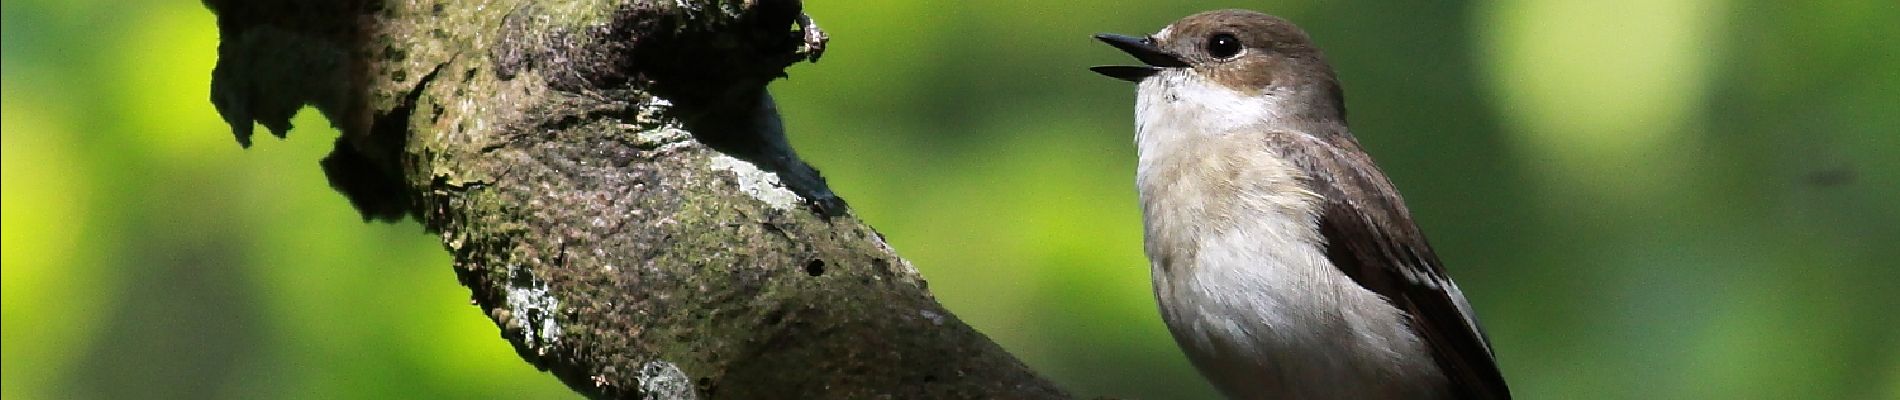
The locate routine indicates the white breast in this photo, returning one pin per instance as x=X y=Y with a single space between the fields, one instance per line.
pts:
x=1239 y=268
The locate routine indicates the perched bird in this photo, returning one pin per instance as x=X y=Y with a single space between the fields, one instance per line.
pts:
x=1284 y=261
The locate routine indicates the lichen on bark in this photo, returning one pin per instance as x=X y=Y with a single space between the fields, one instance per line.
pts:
x=614 y=185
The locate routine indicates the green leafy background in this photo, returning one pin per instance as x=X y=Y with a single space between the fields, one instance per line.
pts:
x=1646 y=199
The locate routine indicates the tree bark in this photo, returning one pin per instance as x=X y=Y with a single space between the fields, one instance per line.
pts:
x=613 y=182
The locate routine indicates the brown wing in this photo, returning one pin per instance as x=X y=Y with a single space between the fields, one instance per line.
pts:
x=1371 y=237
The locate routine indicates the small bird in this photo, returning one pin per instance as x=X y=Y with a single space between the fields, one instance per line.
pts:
x=1283 y=259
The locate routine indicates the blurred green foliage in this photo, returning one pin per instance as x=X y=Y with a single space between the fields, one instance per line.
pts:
x=1645 y=199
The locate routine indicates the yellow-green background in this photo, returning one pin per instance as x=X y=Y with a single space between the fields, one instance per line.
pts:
x=1645 y=199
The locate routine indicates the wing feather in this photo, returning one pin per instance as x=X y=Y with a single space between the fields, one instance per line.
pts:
x=1370 y=236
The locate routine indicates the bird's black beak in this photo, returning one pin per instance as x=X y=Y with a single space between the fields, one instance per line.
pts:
x=1143 y=49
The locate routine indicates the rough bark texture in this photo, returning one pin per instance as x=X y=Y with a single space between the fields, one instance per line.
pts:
x=613 y=182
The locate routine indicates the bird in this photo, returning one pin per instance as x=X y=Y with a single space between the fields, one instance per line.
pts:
x=1284 y=262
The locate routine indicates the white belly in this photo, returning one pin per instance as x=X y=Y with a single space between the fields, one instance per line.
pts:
x=1273 y=327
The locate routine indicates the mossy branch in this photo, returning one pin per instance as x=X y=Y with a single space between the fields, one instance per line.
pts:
x=614 y=184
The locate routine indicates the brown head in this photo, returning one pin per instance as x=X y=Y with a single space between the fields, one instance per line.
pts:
x=1248 y=52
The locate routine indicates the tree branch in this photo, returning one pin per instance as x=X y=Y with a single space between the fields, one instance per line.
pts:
x=614 y=184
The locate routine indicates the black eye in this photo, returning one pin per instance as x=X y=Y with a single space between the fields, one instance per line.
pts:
x=1223 y=45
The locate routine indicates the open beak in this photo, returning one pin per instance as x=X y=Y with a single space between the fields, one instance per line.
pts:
x=1143 y=49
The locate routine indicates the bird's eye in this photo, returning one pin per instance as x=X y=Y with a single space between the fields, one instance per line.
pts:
x=1223 y=45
